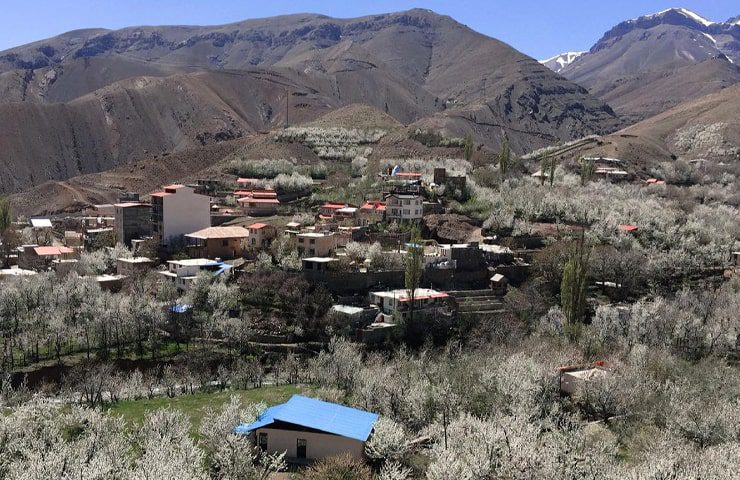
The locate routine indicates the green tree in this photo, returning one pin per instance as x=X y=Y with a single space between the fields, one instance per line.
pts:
x=553 y=164
x=504 y=158
x=468 y=147
x=414 y=269
x=9 y=237
x=573 y=284
x=587 y=171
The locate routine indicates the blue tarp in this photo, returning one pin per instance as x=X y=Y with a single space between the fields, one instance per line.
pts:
x=180 y=308
x=311 y=413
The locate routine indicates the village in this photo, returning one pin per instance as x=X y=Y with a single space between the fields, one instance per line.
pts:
x=244 y=241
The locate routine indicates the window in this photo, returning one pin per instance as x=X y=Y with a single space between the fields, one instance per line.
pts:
x=225 y=243
x=313 y=240
x=300 y=239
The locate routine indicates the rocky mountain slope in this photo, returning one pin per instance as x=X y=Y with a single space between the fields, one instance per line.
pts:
x=704 y=128
x=90 y=100
x=647 y=65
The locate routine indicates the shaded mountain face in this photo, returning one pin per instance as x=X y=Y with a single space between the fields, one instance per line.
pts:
x=630 y=65
x=91 y=99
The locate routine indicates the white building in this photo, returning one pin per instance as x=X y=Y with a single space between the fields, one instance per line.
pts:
x=404 y=207
x=184 y=272
x=399 y=300
x=178 y=210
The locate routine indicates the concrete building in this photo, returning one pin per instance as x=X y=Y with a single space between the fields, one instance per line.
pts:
x=218 y=242
x=34 y=257
x=259 y=207
x=572 y=377
x=133 y=266
x=183 y=272
x=133 y=220
x=178 y=210
x=398 y=301
x=308 y=429
x=404 y=207
x=261 y=235
x=316 y=244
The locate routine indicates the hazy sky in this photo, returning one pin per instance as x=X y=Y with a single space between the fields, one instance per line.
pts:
x=540 y=28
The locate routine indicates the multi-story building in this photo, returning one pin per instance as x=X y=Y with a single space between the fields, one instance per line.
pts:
x=178 y=210
x=133 y=220
x=219 y=242
x=426 y=301
x=316 y=244
x=404 y=207
x=260 y=235
x=372 y=211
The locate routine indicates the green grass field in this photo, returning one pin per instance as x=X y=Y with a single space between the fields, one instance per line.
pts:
x=195 y=406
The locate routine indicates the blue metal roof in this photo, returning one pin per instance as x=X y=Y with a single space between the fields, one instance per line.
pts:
x=319 y=415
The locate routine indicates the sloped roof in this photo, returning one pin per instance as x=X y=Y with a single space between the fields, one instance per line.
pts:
x=49 y=251
x=319 y=415
x=220 y=232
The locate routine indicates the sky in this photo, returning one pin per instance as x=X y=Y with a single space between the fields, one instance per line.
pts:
x=539 y=28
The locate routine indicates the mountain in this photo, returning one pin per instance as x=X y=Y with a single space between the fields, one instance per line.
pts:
x=704 y=128
x=633 y=63
x=93 y=99
x=560 y=61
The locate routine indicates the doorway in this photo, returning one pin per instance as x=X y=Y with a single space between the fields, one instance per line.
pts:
x=301 y=448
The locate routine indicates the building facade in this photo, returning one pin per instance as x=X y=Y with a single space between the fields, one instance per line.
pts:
x=178 y=210
x=404 y=207
x=133 y=221
x=218 y=242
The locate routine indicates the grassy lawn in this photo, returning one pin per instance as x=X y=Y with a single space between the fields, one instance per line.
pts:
x=195 y=406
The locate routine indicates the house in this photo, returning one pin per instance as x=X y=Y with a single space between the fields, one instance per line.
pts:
x=72 y=239
x=42 y=230
x=133 y=266
x=133 y=220
x=426 y=301
x=572 y=377
x=372 y=211
x=316 y=244
x=34 y=257
x=404 y=207
x=259 y=207
x=178 y=210
x=309 y=429
x=318 y=264
x=184 y=272
x=219 y=242
x=261 y=235
x=452 y=182
x=328 y=210
x=95 y=238
x=110 y=283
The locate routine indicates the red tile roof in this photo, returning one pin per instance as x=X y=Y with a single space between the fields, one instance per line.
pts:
x=160 y=194
x=627 y=228
x=259 y=200
x=333 y=206
x=52 y=251
x=257 y=226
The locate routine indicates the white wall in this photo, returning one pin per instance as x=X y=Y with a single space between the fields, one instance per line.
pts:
x=184 y=212
x=318 y=445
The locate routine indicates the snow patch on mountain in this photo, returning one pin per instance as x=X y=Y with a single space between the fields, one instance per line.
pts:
x=683 y=11
x=562 y=60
